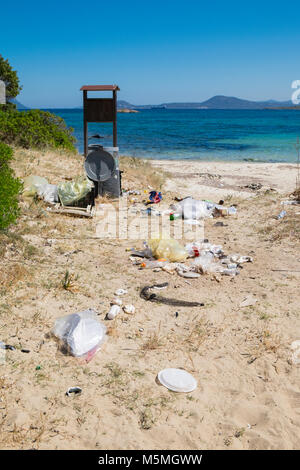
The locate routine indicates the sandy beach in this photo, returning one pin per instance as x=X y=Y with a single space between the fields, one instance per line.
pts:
x=248 y=393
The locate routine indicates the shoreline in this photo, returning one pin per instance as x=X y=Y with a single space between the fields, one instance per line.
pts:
x=214 y=180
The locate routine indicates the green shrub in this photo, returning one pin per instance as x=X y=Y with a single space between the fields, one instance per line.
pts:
x=10 y=188
x=35 y=129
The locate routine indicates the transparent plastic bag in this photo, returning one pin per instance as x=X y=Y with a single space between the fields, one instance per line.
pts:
x=32 y=184
x=80 y=333
x=72 y=191
x=168 y=248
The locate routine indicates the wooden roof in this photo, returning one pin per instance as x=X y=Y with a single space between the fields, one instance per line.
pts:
x=100 y=88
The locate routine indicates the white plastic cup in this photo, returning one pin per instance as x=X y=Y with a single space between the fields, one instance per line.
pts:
x=113 y=312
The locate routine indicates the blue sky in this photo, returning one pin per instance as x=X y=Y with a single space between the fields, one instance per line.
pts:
x=156 y=51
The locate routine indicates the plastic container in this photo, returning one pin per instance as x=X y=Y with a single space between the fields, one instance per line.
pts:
x=80 y=333
x=113 y=312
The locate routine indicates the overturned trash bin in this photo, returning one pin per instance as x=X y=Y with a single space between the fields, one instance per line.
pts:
x=102 y=167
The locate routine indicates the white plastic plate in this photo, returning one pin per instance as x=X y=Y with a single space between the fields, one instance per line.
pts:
x=177 y=380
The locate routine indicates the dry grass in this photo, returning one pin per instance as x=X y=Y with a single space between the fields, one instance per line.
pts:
x=140 y=173
x=12 y=274
x=286 y=228
x=154 y=341
x=296 y=193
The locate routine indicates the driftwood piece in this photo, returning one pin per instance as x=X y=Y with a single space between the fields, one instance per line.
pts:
x=77 y=211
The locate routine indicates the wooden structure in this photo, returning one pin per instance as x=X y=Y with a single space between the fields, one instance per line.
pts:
x=99 y=110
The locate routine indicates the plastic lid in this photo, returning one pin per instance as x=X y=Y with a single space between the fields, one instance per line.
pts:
x=177 y=380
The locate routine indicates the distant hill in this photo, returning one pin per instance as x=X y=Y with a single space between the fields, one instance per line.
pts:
x=216 y=102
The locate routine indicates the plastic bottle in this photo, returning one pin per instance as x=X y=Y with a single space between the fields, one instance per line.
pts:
x=193 y=250
x=281 y=215
x=151 y=264
x=175 y=215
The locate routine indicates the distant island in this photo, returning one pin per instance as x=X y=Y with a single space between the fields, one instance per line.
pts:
x=216 y=102
x=127 y=110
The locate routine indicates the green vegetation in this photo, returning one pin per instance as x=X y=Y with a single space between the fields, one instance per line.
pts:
x=10 y=188
x=35 y=129
x=30 y=129
x=11 y=80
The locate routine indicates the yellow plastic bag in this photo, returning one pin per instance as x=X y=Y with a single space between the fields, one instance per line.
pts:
x=72 y=191
x=167 y=248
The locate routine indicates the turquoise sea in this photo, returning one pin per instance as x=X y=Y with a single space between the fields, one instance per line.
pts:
x=201 y=134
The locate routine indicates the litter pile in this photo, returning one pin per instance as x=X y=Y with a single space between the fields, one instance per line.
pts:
x=168 y=255
x=116 y=305
x=66 y=192
x=193 y=209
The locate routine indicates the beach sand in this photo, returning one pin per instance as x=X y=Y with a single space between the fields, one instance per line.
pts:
x=248 y=394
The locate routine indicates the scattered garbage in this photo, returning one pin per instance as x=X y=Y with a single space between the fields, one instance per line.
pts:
x=295 y=346
x=80 y=333
x=254 y=186
x=72 y=191
x=117 y=301
x=248 y=301
x=26 y=351
x=150 y=211
x=193 y=209
x=121 y=292
x=177 y=380
x=175 y=216
x=6 y=346
x=281 y=215
x=149 y=264
x=130 y=309
x=188 y=274
x=75 y=390
x=220 y=224
x=147 y=295
x=113 y=312
x=49 y=192
x=130 y=192
x=290 y=203
x=208 y=258
x=31 y=185
x=167 y=248
x=154 y=197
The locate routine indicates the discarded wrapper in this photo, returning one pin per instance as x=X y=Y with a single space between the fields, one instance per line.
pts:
x=75 y=390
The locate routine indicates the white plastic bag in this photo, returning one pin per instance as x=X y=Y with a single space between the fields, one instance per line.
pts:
x=49 y=192
x=80 y=333
x=193 y=209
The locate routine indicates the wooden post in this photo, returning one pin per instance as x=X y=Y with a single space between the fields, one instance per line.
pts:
x=85 y=125
x=115 y=140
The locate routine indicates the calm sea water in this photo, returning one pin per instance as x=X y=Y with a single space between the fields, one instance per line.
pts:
x=261 y=135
